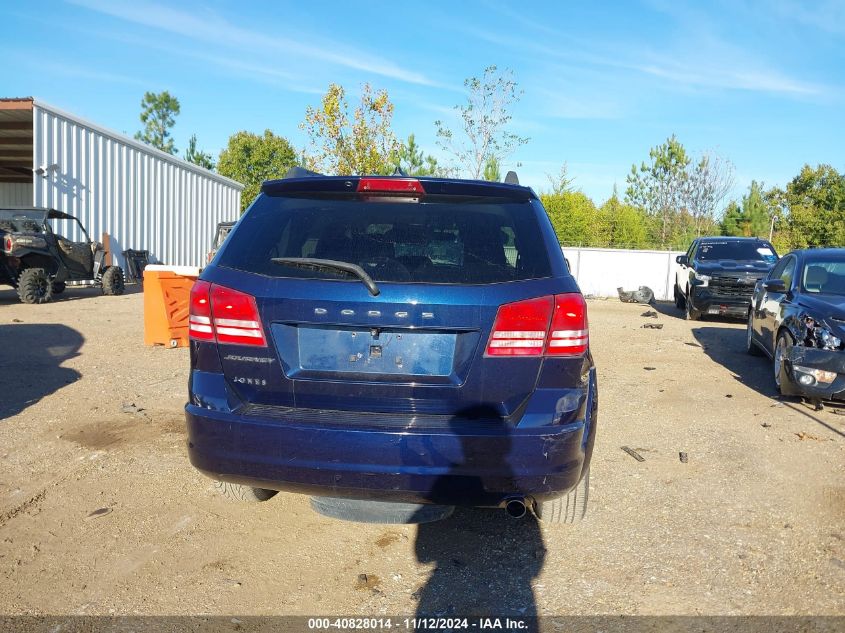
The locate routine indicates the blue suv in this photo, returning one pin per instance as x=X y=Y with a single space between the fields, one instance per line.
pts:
x=394 y=343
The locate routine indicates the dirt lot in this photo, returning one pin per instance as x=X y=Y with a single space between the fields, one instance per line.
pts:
x=100 y=511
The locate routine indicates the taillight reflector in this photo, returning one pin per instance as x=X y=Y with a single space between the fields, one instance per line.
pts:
x=199 y=318
x=236 y=319
x=569 y=333
x=520 y=328
x=391 y=185
x=224 y=315
x=552 y=325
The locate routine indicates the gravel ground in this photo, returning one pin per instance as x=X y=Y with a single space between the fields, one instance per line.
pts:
x=101 y=512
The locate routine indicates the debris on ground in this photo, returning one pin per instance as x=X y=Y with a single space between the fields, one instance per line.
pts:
x=649 y=314
x=642 y=295
x=133 y=409
x=366 y=581
x=16 y=321
x=839 y=411
x=100 y=512
x=728 y=395
x=649 y=368
x=633 y=453
x=684 y=457
x=807 y=436
x=653 y=326
x=692 y=344
x=766 y=425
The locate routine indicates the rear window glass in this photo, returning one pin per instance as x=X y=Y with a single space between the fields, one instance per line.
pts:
x=454 y=241
x=736 y=250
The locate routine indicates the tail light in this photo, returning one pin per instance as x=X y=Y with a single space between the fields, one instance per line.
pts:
x=224 y=315
x=550 y=326
x=7 y=244
x=399 y=188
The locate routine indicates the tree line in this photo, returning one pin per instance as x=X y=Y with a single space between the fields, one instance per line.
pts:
x=670 y=198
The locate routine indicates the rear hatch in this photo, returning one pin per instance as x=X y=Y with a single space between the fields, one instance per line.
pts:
x=408 y=332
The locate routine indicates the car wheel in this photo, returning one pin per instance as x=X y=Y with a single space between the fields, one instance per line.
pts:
x=58 y=287
x=691 y=313
x=750 y=345
x=679 y=299
x=34 y=286
x=113 y=283
x=570 y=508
x=238 y=492
x=784 y=343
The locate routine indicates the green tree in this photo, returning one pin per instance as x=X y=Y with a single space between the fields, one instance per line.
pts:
x=660 y=186
x=492 y=171
x=755 y=212
x=411 y=160
x=574 y=217
x=624 y=225
x=563 y=182
x=158 y=114
x=339 y=145
x=251 y=159
x=816 y=202
x=484 y=121
x=733 y=222
x=198 y=157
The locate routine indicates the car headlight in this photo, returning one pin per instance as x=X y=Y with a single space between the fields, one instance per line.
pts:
x=701 y=280
x=817 y=334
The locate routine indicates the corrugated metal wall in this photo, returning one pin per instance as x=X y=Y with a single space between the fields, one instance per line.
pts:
x=15 y=194
x=600 y=271
x=143 y=198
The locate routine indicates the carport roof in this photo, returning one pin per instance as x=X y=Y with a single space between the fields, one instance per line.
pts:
x=16 y=139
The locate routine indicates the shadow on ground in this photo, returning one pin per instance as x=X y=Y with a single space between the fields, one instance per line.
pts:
x=9 y=295
x=726 y=346
x=485 y=562
x=31 y=356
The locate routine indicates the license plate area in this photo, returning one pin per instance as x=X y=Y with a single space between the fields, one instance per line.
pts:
x=313 y=351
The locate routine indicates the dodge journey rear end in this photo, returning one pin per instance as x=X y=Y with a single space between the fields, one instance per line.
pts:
x=397 y=341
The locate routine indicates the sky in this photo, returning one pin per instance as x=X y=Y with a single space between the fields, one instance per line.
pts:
x=759 y=83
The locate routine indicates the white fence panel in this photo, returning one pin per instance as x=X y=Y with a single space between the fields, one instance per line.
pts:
x=600 y=271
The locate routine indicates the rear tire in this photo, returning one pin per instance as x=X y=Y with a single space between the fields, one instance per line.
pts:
x=238 y=492
x=570 y=508
x=34 y=286
x=750 y=345
x=113 y=283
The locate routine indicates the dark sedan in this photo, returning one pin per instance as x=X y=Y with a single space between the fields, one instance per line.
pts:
x=797 y=318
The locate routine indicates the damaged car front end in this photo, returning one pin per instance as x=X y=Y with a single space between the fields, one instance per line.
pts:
x=797 y=318
x=814 y=365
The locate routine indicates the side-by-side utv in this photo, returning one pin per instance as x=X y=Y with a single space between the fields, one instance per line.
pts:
x=37 y=260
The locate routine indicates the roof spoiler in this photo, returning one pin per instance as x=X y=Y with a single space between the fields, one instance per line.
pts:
x=301 y=172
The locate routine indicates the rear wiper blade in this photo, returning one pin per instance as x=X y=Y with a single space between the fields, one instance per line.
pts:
x=330 y=265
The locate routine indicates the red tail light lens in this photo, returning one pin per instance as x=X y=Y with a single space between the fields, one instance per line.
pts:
x=199 y=319
x=236 y=319
x=391 y=186
x=7 y=244
x=520 y=328
x=569 y=334
x=553 y=325
x=225 y=315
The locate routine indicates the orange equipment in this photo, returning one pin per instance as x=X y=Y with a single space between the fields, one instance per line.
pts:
x=167 y=291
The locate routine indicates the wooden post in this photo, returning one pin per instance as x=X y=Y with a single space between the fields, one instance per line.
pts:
x=106 y=242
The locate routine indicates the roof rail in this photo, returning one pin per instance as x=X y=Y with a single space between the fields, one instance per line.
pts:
x=300 y=172
x=511 y=178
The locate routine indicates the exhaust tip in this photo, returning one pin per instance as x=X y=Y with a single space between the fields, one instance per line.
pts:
x=515 y=508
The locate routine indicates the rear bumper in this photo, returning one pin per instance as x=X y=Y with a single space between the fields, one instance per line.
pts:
x=710 y=302
x=455 y=466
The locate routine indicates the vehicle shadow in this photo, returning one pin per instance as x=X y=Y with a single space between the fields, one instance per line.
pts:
x=484 y=560
x=726 y=346
x=31 y=356
x=667 y=308
x=9 y=296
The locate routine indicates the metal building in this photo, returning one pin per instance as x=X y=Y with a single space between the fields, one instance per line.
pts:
x=143 y=198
